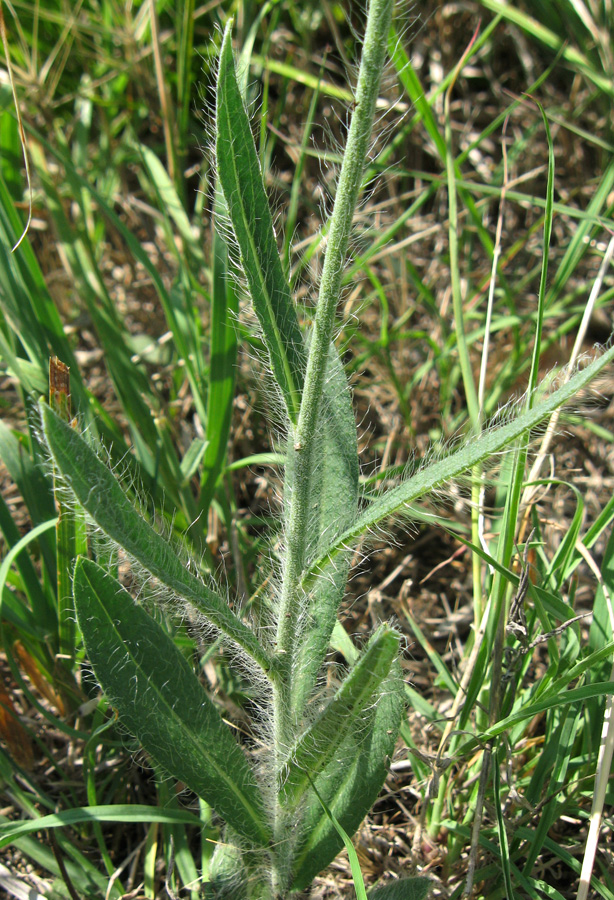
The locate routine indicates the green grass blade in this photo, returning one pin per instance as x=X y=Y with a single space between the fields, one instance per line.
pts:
x=546 y=36
x=14 y=552
x=128 y=813
x=241 y=180
x=541 y=302
x=159 y=699
x=174 y=316
x=185 y=53
x=41 y=616
x=103 y=499
x=497 y=761
x=579 y=245
x=169 y=202
x=455 y=269
x=359 y=885
x=35 y=488
x=26 y=301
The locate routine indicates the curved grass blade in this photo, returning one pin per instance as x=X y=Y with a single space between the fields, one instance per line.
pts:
x=160 y=700
x=342 y=718
x=128 y=813
x=359 y=885
x=103 y=499
x=241 y=180
x=28 y=305
x=399 y=499
x=13 y=554
x=37 y=492
x=39 y=618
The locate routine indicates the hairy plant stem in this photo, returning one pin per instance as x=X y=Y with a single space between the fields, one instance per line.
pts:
x=304 y=434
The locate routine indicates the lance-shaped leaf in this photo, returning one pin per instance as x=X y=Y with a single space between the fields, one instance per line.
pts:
x=399 y=499
x=342 y=718
x=350 y=784
x=241 y=180
x=334 y=507
x=160 y=700
x=223 y=357
x=101 y=496
x=416 y=888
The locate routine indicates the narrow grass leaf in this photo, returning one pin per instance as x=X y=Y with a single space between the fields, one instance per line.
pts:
x=580 y=243
x=541 y=299
x=601 y=629
x=127 y=813
x=188 y=352
x=103 y=499
x=436 y=660
x=39 y=618
x=169 y=202
x=546 y=36
x=571 y=697
x=14 y=553
x=359 y=885
x=241 y=180
x=185 y=81
x=26 y=300
x=160 y=700
x=35 y=488
x=501 y=829
x=87 y=880
x=563 y=739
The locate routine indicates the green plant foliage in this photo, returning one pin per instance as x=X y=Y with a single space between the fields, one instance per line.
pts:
x=241 y=180
x=161 y=701
x=403 y=889
x=281 y=796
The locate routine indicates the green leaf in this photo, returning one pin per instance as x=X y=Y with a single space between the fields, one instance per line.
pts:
x=350 y=784
x=478 y=451
x=128 y=813
x=334 y=507
x=168 y=200
x=342 y=718
x=28 y=306
x=359 y=885
x=404 y=889
x=9 y=558
x=223 y=358
x=104 y=500
x=39 y=619
x=160 y=700
x=37 y=492
x=241 y=180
